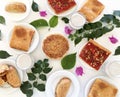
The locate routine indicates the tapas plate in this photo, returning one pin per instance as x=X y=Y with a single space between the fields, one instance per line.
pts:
x=18 y=16
x=7 y=89
x=89 y=84
x=34 y=42
x=74 y=9
x=55 y=78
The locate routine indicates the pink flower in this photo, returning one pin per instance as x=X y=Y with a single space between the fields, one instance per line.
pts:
x=113 y=39
x=43 y=13
x=68 y=30
x=79 y=71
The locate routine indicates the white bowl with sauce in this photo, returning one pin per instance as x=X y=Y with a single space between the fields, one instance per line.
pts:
x=24 y=61
x=77 y=20
x=112 y=69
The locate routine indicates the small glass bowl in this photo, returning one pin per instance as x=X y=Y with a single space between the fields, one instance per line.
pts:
x=77 y=20
x=112 y=69
x=24 y=61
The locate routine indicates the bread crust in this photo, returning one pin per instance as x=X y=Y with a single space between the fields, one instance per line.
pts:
x=91 y=9
x=62 y=87
x=13 y=78
x=16 y=7
x=101 y=88
x=21 y=38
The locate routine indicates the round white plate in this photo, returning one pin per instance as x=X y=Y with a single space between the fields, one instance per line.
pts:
x=115 y=70
x=18 y=16
x=34 y=43
x=75 y=8
x=55 y=78
x=8 y=89
x=89 y=84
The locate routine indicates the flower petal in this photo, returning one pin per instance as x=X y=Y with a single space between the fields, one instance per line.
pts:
x=113 y=39
x=43 y=13
x=68 y=30
x=79 y=71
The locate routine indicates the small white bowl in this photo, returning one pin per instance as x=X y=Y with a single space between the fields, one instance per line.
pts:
x=77 y=20
x=24 y=61
x=112 y=69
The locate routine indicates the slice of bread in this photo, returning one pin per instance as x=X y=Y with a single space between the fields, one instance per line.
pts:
x=16 y=7
x=91 y=9
x=13 y=78
x=21 y=38
x=101 y=88
x=62 y=87
x=2 y=82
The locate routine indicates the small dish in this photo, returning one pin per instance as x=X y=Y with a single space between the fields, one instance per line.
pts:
x=77 y=20
x=24 y=61
x=54 y=79
x=18 y=16
x=87 y=88
x=112 y=67
x=34 y=42
x=8 y=89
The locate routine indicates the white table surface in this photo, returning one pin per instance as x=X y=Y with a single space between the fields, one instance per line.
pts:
x=110 y=5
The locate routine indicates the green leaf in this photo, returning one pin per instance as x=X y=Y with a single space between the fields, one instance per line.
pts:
x=77 y=40
x=53 y=21
x=36 y=70
x=41 y=87
x=47 y=70
x=39 y=23
x=0 y=35
x=45 y=60
x=25 y=86
x=4 y=54
x=107 y=18
x=68 y=62
x=29 y=93
x=117 y=51
x=35 y=7
x=31 y=76
x=65 y=19
x=2 y=20
x=43 y=77
x=116 y=13
x=35 y=84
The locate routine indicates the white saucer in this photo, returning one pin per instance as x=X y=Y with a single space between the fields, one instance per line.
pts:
x=54 y=79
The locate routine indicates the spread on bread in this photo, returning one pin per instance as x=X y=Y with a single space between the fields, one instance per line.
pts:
x=60 y=6
x=94 y=54
x=21 y=38
x=62 y=87
x=91 y=9
x=101 y=88
x=55 y=46
x=16 y=7
x=9 y=75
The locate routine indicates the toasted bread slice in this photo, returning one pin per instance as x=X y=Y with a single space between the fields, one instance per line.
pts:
x=13 y=78
x=62 y=87
x=21 y=38
x=16 y=7
x=2 y=82
x=91 y=9
x=101 y=88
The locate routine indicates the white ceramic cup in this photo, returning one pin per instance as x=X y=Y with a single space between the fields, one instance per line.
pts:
x=77 y=20
x=24 y=61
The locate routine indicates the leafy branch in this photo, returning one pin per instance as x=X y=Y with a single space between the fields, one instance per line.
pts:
x=97 y=29
x=43 y=23
x=36 y=78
